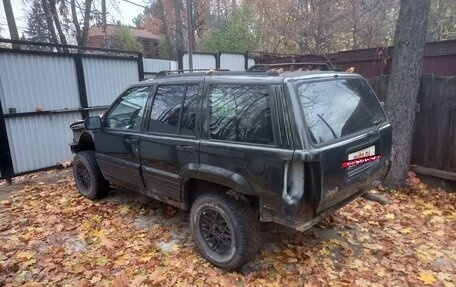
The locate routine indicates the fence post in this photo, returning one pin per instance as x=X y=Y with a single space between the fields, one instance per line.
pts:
x=81 y=85
x=140 y=66
x=246 y=58
x=217 y=59
x=180 y=60
x=6 y=162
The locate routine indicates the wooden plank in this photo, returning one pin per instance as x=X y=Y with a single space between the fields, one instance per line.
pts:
x=440 y=124
x=423 y=144
x=450 y=120
x=434 y=172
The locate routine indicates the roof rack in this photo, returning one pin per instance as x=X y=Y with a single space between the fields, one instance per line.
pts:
x=174 y=72
x=300 y=66
x=219 y=72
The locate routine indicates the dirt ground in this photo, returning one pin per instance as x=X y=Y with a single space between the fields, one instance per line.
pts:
x=52 y=236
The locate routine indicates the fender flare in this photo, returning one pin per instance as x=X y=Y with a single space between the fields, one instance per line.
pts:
x=221 y=176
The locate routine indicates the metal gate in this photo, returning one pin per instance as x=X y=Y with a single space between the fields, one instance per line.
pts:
x=42 y=92
x=223 y=60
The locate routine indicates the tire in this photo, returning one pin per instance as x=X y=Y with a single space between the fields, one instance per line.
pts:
x=226 y=231
x=88 y=177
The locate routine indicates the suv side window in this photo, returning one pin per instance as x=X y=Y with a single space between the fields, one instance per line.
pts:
x=174 y=110
x=240 y=113
x=191 y=108
x=128 y=112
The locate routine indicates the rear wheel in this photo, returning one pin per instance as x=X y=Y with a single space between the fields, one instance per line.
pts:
x=226 y=230
x=88 y=177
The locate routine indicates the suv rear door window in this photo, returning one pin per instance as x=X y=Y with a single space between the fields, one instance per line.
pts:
x=339 y=107
x=240 y=113
x=174 y=110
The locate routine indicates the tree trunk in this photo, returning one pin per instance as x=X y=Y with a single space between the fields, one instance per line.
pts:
x=192 y=24
x=190 y=34
x=77 y=27
x=55 y=16
x=103 y=21
x=319 y=34
x=82 y=35
x=178 y=23
x=403 y=86
x=164 y=28
x=49 y=22
x=354 y=19
x=11 y=22
x=85 y=29
x=218 y=15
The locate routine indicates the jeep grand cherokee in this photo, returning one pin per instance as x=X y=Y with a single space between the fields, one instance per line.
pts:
x=237 y=148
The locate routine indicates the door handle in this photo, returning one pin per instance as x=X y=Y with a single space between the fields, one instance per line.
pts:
x=186 y=148
x=132 y=141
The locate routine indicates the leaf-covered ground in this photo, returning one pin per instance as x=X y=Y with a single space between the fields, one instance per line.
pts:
x=51 y=236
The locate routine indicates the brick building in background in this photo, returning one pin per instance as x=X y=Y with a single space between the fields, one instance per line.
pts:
x=148 y=40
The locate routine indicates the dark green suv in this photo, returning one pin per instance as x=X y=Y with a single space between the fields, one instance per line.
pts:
x=237 y=148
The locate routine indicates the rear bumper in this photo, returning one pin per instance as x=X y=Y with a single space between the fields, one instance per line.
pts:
x=302 y=223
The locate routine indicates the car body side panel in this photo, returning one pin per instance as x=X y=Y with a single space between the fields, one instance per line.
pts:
x=163 y=163
x=224 y=177
x=261 y=166
x=117 y=155
x=167 y=159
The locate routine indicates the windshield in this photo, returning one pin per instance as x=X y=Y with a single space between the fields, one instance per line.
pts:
x=339 y=107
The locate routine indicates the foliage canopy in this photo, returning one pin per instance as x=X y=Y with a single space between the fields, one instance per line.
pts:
x=37 y=29
x=124 y=39
x=236 y=34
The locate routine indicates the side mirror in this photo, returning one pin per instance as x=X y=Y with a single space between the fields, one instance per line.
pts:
x=92 y=123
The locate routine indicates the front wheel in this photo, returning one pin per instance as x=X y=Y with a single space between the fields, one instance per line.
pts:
x=226 y=230
x=88 y=177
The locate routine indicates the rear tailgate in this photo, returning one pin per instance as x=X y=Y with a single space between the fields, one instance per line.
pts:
x=352 y=165
x=348 y=132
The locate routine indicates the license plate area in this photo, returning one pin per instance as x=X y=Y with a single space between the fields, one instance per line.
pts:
x=361 y=159
x=369 y=151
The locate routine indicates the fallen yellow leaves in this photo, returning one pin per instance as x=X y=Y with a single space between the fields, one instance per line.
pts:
x=390 y=216
x=22 y=256
x=406 y=230
x=427 y=278
x=51 y=236
x=124 y=209
x=76 y=269
x=380 y=271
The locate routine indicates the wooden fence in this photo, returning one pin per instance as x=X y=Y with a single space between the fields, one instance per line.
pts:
x=439 y=59
x=434 y=139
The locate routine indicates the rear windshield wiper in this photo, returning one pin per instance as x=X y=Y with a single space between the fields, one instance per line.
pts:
x=329 y=127
x=378 y=123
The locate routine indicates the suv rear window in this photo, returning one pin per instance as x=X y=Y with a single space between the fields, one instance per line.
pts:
x=339 y=107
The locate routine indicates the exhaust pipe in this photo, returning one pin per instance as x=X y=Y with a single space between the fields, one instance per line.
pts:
x=375 y=197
